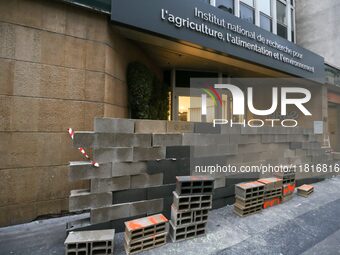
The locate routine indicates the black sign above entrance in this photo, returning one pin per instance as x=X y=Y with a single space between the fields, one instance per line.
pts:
x=209 y=27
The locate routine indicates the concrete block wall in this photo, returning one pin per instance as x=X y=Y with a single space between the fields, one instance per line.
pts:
x=60 y=66
x=140 y=159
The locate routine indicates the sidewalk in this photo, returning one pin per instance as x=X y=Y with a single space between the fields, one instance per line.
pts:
x=302 y=225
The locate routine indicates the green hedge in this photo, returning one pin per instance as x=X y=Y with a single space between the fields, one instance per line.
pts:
x=148 y=97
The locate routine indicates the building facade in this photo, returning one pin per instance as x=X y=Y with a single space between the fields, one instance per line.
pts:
x=321 y=35
x=63 y=63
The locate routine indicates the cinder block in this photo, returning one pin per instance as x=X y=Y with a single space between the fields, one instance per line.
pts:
x=177 y=152
x=206 y=128
x=84 y=139
x=186 y=232
x=189 y=217
x=109 y=213
x=150 y=126
x=305 y=190
x=219 y=183
x=295 y=145
x=197 y=202
x=90 y=242
x=247 y=190
x=139 y=229
x=205 y=139
x=288 y=189
x=144 y=154
x=248 y=211
x=83 y=199
x=166 y=140
x=148 y=206
x=235 y=130
x=226 y=191
x=110 y=125
x=128 y=168
x=110 y=184
x=106 y=155
x=214 y=150
x=104 y=140
x=83 y=170
x=164 y=191
x=146 y=244
x=194 y=185
x=146 y=180
x=249 y=202
x=271 y=202
x=129 y=195
x=179 y=127
x=271 y=183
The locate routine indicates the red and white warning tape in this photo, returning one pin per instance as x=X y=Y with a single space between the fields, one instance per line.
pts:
x=71 y=132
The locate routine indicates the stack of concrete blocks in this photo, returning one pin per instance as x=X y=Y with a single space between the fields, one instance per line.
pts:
x=288 y=177
x=99 y=242
x=140 y=159
x=249 y=198
x=272 y=191
x=305 y=190
x=145 y=233
x=190 y=208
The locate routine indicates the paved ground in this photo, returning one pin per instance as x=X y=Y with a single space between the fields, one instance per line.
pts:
x=300 y=226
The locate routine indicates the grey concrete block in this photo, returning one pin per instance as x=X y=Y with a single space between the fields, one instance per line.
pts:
x=83 y=199
x=150 y=126
x=222 y=202
x=219 y=183
x=149 y=207
x=128 y=168
x=245 y=139
x=177 y=152
x=109 y=213
x=205 y=139
x=179 y=127
x=112 y=125
x=194 y=185
x=189 y=217
x=104 y=140
x=214 y=150
x=110 y=184
x=295 y=145
x=164 y=191
x=118 y=154
x=224 y=192
x=170 y=168
x=225 y=129
x=90 y=242
x=144 y=154
x=192 y=202
x=166 y=140
x=84 y=139
x=130 y=195
x=84 y=170
x=184 y=232
x=146 y=180
x=206 y=128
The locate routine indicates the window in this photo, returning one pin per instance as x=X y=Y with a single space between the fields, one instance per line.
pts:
x=281 y=19
x=265 y=7
x=249 y=2
x=265 y=22
x=226 y=5
x=293 y=25
x=247 y=13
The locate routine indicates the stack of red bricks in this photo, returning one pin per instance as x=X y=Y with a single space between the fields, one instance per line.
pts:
x=191 y=204
x=272 y=191
x=288 y=178
x=145 y=233
x=249 y=198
